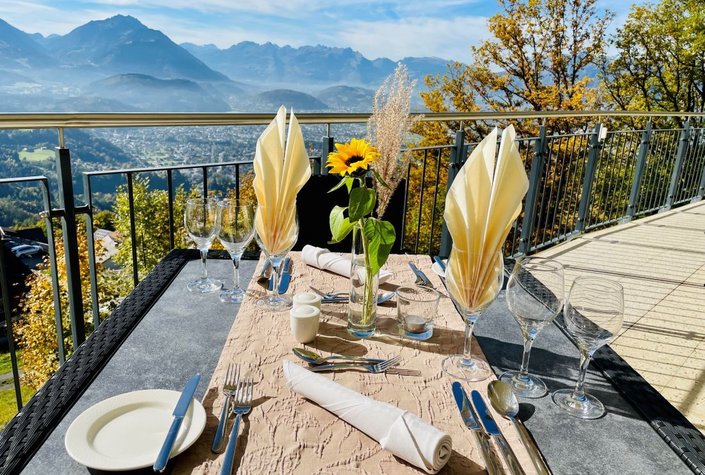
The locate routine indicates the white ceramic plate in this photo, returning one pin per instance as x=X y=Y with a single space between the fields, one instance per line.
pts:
x=437 y=269
x=126 y=431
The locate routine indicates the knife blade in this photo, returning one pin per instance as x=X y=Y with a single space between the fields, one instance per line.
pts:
x=266 y=273
x=492 y=462
x=492 y=429
x=420 y=275
x=179 y=412
x=285 y=277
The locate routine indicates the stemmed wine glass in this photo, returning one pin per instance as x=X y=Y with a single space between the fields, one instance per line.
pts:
x=593 y=316
x=276 y=239
x=472 y=297
x=235 y=232
x=201 y=221
x=535 y=297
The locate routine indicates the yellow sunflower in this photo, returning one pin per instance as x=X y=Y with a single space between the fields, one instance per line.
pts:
x=351 y=157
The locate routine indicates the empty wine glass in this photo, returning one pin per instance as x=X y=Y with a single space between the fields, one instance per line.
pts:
x=472 y=292
x=593 y=316
x=535 y=297
x=235 y=232
x=201 y=221
x=276 y=234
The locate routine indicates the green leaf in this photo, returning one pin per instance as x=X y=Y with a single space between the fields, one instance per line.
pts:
x=380 y=237
x=347 y=181
x=340 y=226
x=380 y=179
x=362 y=202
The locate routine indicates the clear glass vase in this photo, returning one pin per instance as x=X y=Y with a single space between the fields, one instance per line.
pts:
x=362 y=309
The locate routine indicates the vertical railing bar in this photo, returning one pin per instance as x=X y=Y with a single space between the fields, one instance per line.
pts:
x=90 y=240
x=71 y=248
x=327 y=146
x=625 y=166
x=610 y=169
x=7 y=310
x=170 y=204
x=237 y=182
x=53 y=269
x=632 y=207
x=435 y=202
x=700 y=193
x=546 y=164
x=205 y=182
x=406 y=201
x=133 y=231
x=665 y=163
x=555 y=190
x=678 y=164
x=573 y=166
x=588 y=179
x=527 y=228
x=423 y=182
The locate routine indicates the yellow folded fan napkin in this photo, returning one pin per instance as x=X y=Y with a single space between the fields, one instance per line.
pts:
x=481 y=205
x=282 y=168
x=404 y=434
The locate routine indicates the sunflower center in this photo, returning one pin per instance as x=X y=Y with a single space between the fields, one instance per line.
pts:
x=353 y=159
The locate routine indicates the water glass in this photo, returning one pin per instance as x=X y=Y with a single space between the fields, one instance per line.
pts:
x=417 y=307
x=535 y=296
x=593 y=316
x=235 y=232
x=276 y=240
x=201 y=222
x=472 y=293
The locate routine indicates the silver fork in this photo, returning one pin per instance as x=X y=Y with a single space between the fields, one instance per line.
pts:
x=232 y=375
x=371 y=368
x=242 y=404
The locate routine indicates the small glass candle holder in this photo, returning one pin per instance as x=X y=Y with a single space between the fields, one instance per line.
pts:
x=416 y=309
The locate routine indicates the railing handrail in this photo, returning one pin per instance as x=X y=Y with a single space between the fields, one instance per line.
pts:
x=164 y=119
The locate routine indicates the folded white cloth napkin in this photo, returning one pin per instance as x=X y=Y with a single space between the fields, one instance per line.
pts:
x=322 y=258
x=404 y=434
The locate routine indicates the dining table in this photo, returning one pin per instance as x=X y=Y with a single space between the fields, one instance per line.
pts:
x=173 y=334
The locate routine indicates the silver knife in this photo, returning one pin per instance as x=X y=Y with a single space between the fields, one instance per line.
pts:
x=420 y=275
x=286 y=276
x=179 y=413
x=492 y=429
x=492 y=462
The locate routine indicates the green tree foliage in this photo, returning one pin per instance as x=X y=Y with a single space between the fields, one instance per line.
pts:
x=36 y=328
x=660 y=65
x=151 y=211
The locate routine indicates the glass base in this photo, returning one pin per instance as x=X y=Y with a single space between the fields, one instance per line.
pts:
x=362 y=331
x=277 y=303
x=236 y=295
x=459 y=367
x=527 y=386
x=204 y=286
x=588 y=407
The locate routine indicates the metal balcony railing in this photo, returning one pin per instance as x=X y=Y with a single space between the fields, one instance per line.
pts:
x=580 y=180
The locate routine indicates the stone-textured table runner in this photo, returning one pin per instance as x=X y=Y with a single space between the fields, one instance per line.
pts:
x=286 y=433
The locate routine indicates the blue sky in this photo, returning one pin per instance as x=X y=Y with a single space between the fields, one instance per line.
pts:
x=390 y=28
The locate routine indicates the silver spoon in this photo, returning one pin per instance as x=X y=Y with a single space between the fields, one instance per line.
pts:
x=504 y=401
x=314 y=358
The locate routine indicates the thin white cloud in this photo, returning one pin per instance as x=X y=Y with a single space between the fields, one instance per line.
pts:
x=443 y=38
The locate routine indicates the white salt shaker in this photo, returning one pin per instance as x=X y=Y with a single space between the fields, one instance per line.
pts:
x=304 y=322
x=307 y=298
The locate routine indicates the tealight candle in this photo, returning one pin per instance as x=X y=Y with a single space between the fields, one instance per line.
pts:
x=415 y=324
x=307 y=298
x=304 y=322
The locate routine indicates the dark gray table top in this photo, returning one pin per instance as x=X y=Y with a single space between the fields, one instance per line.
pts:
x=171 y=344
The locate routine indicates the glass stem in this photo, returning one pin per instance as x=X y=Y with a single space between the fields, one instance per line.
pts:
x=467 y=349
x=524 y=371
x=204 y=268
x=578 y=393
x=276 y=266
x=236 y=271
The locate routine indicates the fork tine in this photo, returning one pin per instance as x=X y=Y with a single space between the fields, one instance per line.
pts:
x=249 y=391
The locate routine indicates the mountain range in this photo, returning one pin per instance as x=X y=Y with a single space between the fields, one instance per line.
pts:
x=119 y=64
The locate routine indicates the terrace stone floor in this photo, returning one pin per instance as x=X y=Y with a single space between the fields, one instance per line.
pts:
x=660 y=261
